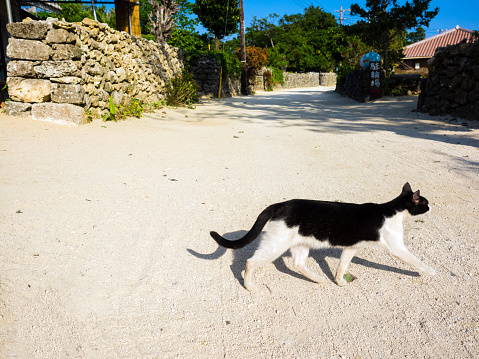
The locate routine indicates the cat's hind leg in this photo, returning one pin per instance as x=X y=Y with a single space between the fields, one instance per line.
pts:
x=300 y=254
x=274 y=242
x=346 y=256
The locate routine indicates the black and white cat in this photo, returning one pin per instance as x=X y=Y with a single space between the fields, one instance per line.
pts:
x=299 y=225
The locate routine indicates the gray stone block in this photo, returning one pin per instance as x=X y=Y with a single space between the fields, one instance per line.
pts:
x=29 y=90
x=60 y=36
x=65 y=93
x=20 y=68
x=33 y=30
x=61 y=113
x=73 y=80
x=57 y=69
x=28 y=49
x=13 y=108
x=65 y=52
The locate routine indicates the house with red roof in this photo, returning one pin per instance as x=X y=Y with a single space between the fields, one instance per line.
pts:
x=416 y=55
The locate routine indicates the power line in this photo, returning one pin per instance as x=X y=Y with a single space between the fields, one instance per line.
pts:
x=341 y=18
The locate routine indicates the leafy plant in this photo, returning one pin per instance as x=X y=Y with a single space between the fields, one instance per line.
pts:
x=278 y=76
x=111 y=116
x=157 y=105
x=343 y=71
x=267 y=78
x=256 y=58
x=181 y=90
x=220 y=17
x=134 y=109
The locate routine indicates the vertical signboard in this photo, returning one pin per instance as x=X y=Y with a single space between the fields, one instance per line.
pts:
x=375 y=71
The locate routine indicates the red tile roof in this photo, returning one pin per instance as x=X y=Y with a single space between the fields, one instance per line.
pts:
x=427 y=47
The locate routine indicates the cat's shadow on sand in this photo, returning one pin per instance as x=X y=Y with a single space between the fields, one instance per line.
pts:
x=241 y=255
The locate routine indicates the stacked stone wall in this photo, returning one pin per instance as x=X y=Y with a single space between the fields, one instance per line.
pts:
x=297 y=80
x=357 y=85
x=405 y=84
x=206 y=71
x=453 y=83
x=59 y=70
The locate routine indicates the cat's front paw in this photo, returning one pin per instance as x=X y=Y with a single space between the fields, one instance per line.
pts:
x=341 y=282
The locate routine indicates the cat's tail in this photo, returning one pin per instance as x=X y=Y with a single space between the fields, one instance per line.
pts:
x=253 y=233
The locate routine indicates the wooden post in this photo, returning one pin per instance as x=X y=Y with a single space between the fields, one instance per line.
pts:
x=244 y=78
x=128 y=17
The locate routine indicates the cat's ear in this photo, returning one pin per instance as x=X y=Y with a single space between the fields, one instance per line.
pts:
x=406 y=188
x=416 y=197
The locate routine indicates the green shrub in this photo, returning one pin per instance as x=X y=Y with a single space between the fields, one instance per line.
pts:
x=278 y=76
x=182 y=90
x=134 y=109
x=343 y=71
x=231 y=65
x=267 y=78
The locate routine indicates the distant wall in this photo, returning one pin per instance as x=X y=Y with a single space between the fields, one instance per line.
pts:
x=453 y=83
x=59 y=70
x=297 y=80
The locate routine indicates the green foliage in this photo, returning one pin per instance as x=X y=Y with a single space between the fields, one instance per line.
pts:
x=263 y=32
x=157 y=105
x=75 y=12
x=230 y=63
x=272 y=77
x=278 y=76
x=300 y=42
x=220 y=17
x=183 y=17
x=267 y=78
x=145 y=9
x=134 y=109
x=475 y=35
x=182 y=90
x=105 y=16
x=343 y=71
x=256 y=58
x=190 y=41
x=415 y=36
x=386 y=22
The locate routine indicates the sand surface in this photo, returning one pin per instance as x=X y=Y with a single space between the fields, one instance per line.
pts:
x=104 y=232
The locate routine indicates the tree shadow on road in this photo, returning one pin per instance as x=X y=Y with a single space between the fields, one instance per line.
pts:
x=241 y=256
x=319 y=110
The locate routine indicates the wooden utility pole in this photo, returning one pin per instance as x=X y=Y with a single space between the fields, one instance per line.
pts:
x=244 y=78
x=341 y=18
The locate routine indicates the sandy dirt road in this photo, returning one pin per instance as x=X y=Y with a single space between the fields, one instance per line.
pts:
x=104 y=232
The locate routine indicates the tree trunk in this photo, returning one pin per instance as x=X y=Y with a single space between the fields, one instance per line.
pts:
x=386 y=67
x=217 y=43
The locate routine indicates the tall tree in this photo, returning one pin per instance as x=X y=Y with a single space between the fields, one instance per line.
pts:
x=415 y=36
x=184 y=35
x=262 y=31
x=161 y=19
x=300 y=42
x=220 y=17
x=385 y=20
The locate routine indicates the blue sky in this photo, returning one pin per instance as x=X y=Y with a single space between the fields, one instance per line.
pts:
x=464 y=13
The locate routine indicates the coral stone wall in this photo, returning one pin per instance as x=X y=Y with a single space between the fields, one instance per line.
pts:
x=357 y=85
x=59 y=70
x=453 y=83
x=298 y=80
x=206 y=71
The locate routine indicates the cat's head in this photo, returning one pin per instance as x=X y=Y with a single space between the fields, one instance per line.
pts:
x=415 y=203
